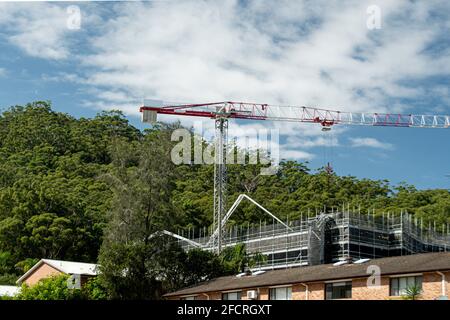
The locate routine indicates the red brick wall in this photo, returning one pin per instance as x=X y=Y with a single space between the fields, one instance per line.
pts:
x=360 y=290
x=316 y=291
x=43 y=271
x=431 y=288
x=432 y=285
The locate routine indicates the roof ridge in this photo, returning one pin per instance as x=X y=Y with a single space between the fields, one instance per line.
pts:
x=69 y=261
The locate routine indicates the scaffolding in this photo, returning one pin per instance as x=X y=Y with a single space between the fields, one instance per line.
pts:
x=327 y=238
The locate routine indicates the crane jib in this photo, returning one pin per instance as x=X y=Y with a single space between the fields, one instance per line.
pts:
x=326 y=118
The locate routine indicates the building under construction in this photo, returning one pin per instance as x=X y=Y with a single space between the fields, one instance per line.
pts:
x=328 y=238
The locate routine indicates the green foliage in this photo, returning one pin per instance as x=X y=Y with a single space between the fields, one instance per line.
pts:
x=6 y=260
x=93 y=289
x=295 y=191
x=51 y=288
x=52 y=204
x=412 y=293
x=70 y=186
x=25 y=265
x=136 y=261
x=7 y=273
x=195 y=266
x=8 y=279
x=141 y=182
x=236 y=259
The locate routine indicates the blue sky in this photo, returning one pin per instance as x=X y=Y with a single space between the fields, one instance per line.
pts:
x=313 y=53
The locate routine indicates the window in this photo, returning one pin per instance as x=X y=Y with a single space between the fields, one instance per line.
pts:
x=400 y=284
x=283 y=293
x=338 y=290
x=231 y=295
x=189 y=298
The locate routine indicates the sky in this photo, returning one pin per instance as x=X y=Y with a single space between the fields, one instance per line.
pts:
x=376 y=56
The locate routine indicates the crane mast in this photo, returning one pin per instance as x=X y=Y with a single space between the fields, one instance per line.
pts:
x=222 y=111
x=220 y=178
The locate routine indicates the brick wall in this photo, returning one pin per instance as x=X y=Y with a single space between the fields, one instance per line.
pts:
x=43 y=271
x=431 y=288
x=360 y=290
x=432 y=285
x=298 y=292
x=316 y=291
x=263 y=294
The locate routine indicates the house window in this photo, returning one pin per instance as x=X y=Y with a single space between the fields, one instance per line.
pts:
x=338 y=290
x=231 y=295
x=400 y=284
x=189 y=298
x=284 y=293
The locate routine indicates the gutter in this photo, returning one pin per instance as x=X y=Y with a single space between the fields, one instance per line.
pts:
x=306 y=290
x=443 y=283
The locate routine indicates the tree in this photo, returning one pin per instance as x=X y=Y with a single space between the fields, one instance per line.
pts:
x=93 y=289
x=51 y=288
x=7 y=272
x=196 y=266
x=236 y=259
x=51 y=202
x=62 y=179
x=142 y=182
x=49 y=234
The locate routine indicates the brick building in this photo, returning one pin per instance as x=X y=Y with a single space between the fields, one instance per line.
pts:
x=342 y=280
x=79 y=271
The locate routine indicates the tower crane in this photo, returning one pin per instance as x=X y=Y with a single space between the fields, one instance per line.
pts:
x=222 y=111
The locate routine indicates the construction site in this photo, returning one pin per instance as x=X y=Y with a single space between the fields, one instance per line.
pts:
x=328 y=238
x=331 y=236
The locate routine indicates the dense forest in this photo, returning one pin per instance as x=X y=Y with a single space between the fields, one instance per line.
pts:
x=83 y=189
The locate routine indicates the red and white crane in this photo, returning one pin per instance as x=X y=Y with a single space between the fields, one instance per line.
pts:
x=327 y=118
x=222 y=111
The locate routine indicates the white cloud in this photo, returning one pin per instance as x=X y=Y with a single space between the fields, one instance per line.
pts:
x=3 y=72
x=290 y=53
x=298 y=142
x=294 y=52
x=38 y=29
x=370 y=143
x=316 y=54
x=295 y=154
x=286 y=52
x=63 y=77
x=41 y=29
x=127 y=108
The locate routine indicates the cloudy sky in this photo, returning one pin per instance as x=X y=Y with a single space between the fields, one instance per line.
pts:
x=325 y=54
